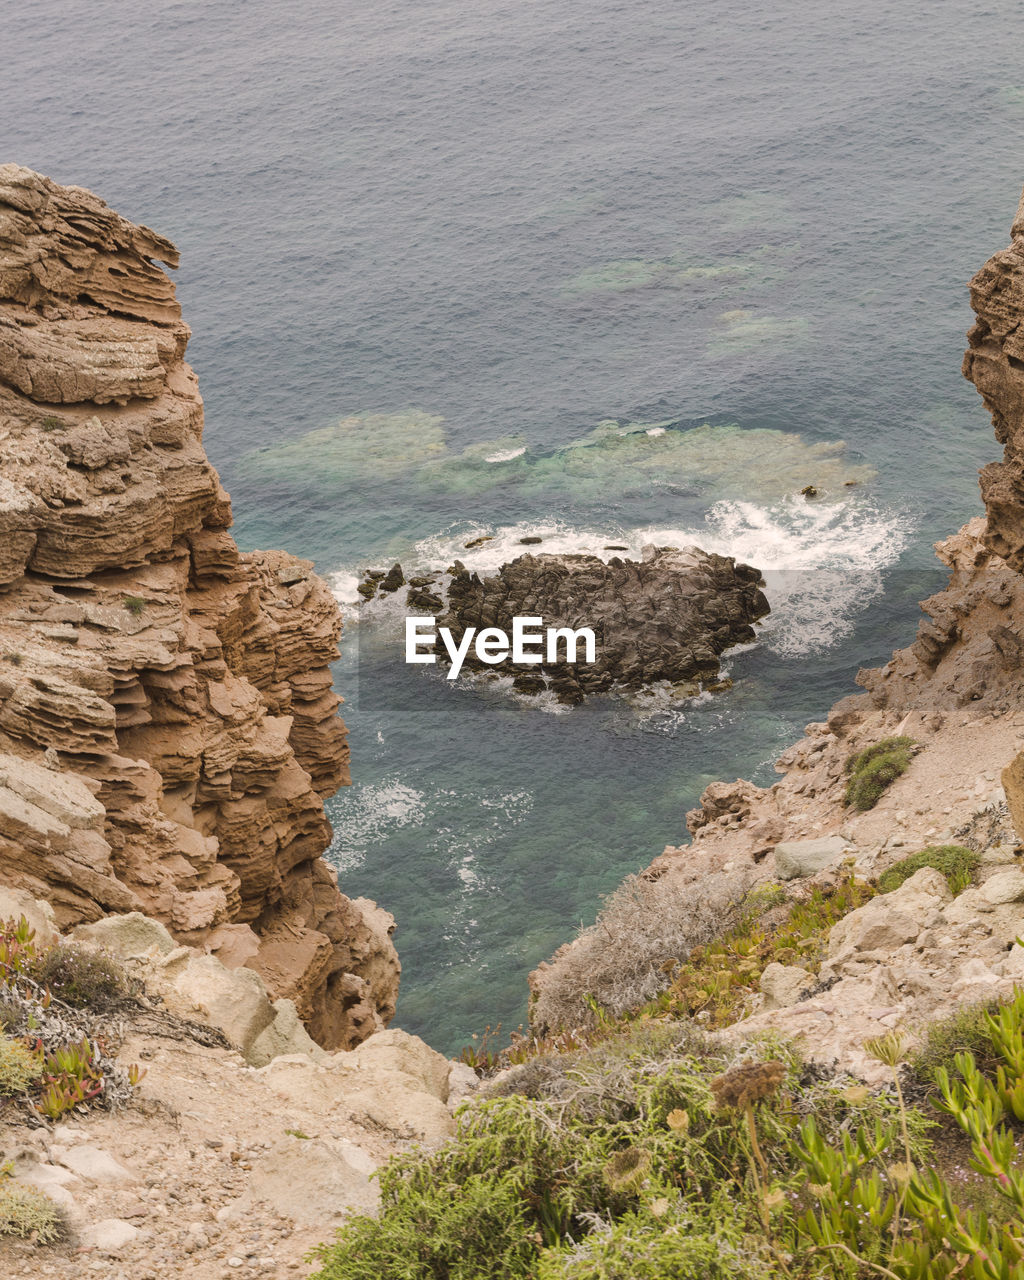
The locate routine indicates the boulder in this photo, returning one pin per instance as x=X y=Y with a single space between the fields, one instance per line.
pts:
x=797 y=858
x=783 y=985
x=15 y=903
x=128 y=937
x=285 y=1035
x=398 y=1051
x=233 y=1000
x=109 y=1235
x=95 y=1165
x=892 y=919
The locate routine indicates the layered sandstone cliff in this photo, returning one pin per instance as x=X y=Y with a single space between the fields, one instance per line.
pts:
x=168 y=727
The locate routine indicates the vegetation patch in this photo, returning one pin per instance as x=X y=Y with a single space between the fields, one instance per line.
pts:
x=656 y=1156
x=24 y=1211
x=135 y=605
x=956 y=862
x=875 y=768
x=651 y=1156
x=82 y=977
x=715 y=981
x=56 y=1047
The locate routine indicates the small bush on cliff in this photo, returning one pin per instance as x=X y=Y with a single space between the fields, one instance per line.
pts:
x=624 y=959
x=135 y=605
x=52 y=1003
x=24 y=1211
x=715 y=982
x=956 y=862
x=19 y=1067
x=650 y=1157
x=80 y=976
x=875 y=768
x=966 y=1031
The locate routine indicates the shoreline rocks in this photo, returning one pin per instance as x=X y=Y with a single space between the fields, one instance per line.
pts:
x=666 y=617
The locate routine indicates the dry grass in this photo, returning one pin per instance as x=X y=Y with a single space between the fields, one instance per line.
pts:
x=619 y=963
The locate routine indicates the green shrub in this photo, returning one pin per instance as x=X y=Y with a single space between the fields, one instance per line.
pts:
x=632 y=1159
x=19 y=1067
x=956 y=862
x=24 y=1211
x=875 y=768
x=872 y=1211
x=81 y=977
x=135 y=605
x=965 y=1031
x=664 y=1238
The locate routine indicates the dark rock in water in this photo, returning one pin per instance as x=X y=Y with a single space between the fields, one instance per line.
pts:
x=530 y=541
x=478 y=542
x=395 y=578
x=615 y=546
x=367 y=589
x=809 y=491
x=666 y=617
x=425 y=600
x=375 y=574
x=421 y=582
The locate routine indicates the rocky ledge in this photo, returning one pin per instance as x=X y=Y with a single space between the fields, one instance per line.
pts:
x=666 y=617
x=168 y=726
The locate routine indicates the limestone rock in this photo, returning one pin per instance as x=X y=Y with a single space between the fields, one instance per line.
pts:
x=15 y=903
x=784 y=984
x=312 y=1181
x=797 y=858
x=1013 y=786
x=95 y=1165
x=400 y=1086
x=168 y=725
x=110 y=1234
x=128 y=937
x=285 y=1035
x=888 y=921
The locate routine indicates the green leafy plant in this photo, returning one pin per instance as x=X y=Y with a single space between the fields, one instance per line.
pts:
x=875 y=768
x=892 y=1218
x=956 y=862
x=135 y=605
x=53 y=423
x=716 y=980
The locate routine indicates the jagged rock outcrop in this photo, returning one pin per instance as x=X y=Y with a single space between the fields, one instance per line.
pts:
x=666 y=617
x=970 y=645
x=168 y=726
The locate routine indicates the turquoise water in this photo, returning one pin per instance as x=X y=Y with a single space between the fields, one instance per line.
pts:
x=601 y=273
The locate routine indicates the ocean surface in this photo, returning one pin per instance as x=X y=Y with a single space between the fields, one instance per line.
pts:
x=595 y=272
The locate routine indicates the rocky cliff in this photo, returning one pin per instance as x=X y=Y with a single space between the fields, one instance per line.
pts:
x=956 y=695
x=168 y=727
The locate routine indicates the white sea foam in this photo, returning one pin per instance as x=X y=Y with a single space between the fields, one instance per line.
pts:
x=371 y=814
x=823 y=561
x=506 y=455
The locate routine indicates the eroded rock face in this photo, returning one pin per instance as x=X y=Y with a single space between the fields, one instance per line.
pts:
x=970 y=645
x=168 y=726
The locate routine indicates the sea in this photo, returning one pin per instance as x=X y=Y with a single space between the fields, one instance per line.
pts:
x=602 y=273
